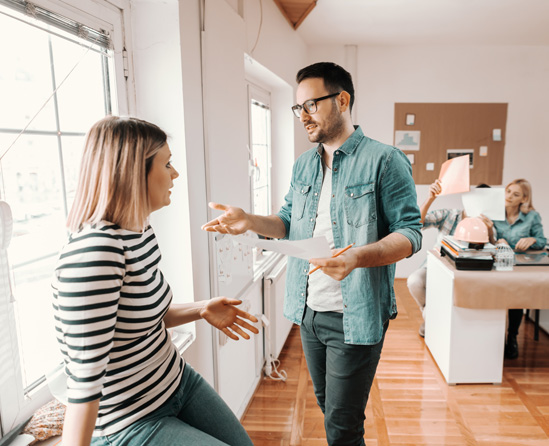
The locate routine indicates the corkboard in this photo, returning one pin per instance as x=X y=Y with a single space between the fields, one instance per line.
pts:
x=455 y=126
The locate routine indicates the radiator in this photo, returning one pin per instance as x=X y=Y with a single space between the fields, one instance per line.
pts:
x=279 y=327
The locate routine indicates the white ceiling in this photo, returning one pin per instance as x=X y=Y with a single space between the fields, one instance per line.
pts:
x=427 y=22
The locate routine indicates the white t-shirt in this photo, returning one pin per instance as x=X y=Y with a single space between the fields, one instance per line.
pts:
x=323 y=292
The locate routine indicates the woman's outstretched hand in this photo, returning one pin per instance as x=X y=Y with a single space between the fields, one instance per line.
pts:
x=222 y=313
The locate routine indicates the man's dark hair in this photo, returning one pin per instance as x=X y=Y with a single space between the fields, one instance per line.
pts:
x=482 y=186
x=335 y=78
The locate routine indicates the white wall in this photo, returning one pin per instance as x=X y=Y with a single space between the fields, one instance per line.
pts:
x=200 y=354
x=279 y=48
x=517 y=75
x=159 y=99
x=167 y=68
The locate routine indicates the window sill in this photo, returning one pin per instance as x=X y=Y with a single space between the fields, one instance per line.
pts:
x=52 y=441
x=182 y=339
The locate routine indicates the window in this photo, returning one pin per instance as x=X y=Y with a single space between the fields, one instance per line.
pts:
x=260 y=159
x=58 y=76
x=271 y=132
x=260 y=149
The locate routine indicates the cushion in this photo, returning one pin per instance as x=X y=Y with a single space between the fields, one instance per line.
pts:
x=46 y=422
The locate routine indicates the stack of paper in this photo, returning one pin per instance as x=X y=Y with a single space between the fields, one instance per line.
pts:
x=461 y=249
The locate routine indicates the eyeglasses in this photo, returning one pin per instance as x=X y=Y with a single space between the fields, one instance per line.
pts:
x=310 y=105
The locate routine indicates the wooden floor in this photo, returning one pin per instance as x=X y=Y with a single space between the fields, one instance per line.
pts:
x=410 y=403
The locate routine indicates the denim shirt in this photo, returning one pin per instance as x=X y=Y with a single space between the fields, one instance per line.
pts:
x=526 y=225
x=373 y=195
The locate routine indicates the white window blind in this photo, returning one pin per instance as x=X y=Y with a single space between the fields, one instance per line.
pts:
x=98 y=37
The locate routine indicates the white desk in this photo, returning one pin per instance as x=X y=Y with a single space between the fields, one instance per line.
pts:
x=466 y=314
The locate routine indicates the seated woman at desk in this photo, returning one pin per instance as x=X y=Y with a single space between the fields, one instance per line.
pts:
x=521 y=230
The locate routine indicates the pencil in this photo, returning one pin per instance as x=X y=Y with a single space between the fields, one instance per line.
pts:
x=335 y=255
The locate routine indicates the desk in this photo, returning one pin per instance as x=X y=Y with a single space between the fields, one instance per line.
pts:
x=466 y=315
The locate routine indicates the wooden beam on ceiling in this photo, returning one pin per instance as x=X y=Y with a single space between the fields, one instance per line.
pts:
x=295 y=11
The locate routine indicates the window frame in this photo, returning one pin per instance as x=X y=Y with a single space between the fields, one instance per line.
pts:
x=112 y=16
x=263 y=96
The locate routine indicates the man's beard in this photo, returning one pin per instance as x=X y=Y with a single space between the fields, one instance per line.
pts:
x=334 y=127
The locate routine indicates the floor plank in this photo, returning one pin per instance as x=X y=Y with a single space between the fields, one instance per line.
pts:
x=410 y=403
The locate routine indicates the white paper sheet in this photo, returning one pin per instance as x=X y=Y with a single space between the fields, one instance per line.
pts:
x=311 y=248
x=487 y=201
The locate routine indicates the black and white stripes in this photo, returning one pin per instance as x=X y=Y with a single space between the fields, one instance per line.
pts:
x=109 y=300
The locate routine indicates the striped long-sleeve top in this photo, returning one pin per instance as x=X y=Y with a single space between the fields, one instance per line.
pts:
x=110 y=298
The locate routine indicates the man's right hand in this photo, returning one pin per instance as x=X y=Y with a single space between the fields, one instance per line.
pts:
x=233 y=220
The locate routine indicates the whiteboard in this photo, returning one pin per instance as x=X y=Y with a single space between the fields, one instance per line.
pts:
x=234 y=263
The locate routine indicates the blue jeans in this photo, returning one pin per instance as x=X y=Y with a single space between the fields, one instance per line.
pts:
x=342 y=375
x=194 y=416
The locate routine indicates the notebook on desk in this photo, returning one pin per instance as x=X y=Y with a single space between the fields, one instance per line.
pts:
x=532 y=259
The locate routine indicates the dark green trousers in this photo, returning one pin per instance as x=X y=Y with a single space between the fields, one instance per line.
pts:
x=342 y=375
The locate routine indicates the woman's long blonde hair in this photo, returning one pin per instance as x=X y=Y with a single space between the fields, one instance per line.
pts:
x=113 y=174
x=526 y=188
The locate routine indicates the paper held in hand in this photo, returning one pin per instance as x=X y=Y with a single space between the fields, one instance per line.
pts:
x=311 y=248
x=489 y=202
x=454 y=175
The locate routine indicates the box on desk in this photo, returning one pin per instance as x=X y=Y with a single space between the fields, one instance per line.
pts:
x=466 y=258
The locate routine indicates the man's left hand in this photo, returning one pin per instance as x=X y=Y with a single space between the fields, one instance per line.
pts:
x=337 y=267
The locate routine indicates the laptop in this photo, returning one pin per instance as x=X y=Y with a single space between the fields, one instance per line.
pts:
x=532 y=259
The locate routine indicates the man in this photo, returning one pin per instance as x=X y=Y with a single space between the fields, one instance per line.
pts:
x=352 y=190
x=446 y=221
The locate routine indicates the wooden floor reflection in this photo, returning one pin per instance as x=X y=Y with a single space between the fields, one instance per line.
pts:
x=410 y=403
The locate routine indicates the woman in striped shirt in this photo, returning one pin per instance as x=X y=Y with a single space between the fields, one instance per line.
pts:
x=126 y=382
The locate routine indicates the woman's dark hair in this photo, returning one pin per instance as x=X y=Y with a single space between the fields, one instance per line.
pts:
x=335 y=78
